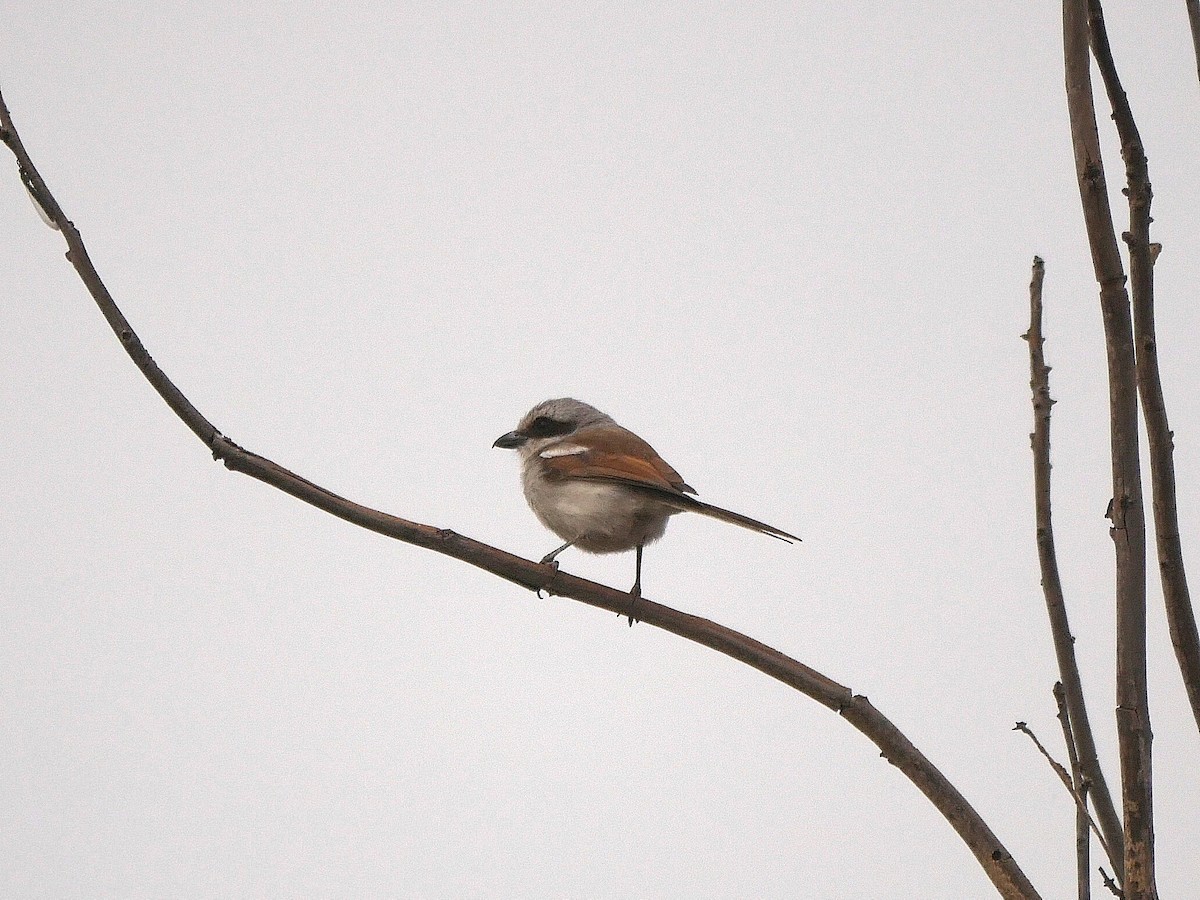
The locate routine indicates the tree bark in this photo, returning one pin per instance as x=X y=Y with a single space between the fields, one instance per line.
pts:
x=1126 y=508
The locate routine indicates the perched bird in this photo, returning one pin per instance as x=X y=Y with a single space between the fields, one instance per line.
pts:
x=599 y=486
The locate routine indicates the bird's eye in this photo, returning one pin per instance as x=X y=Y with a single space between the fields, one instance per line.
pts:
x=544 y=426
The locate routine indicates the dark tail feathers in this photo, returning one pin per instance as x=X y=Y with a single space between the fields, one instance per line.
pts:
x=691 y=504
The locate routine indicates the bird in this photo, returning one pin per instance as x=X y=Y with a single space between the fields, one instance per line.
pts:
x=600 y=487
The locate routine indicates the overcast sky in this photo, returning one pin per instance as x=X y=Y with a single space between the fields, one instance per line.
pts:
x=789 y=244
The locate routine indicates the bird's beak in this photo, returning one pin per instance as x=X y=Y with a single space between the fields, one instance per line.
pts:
x=510 y=441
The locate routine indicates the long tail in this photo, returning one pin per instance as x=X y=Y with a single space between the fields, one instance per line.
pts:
x=691 y=504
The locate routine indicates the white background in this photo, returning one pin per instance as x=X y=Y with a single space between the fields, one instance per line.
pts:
x=789 y=244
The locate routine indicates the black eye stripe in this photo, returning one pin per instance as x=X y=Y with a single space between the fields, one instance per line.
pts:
x=544 y=426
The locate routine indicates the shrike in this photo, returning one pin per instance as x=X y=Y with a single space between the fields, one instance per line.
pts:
x=599 y=486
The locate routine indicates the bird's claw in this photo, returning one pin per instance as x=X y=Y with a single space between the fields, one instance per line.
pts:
x=550 y=561
x=634 y=596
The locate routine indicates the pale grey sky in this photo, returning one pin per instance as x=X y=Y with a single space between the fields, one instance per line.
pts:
x=789 y=244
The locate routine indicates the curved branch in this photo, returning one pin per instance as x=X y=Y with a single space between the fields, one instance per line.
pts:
x=996 y=861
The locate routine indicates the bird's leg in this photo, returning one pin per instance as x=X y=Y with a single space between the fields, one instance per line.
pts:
x=548 y=559
x=635 y=592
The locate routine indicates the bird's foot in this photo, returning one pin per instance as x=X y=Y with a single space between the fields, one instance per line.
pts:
x=635 y=594
x=547 y=560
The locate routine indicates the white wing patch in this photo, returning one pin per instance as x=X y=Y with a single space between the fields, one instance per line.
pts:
x=562 y=450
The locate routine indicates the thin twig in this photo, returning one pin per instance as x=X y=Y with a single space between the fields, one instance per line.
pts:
x=1059 y=769
x=1112 y=886
x=1063 y=775
x=993 y=857
x=1056 y=608
x=1083 y=821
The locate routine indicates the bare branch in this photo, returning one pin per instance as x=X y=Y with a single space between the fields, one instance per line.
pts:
x=1083 y=821
x=1063 y=775
x=992 y=856
x=1126 y=511
x=1193 y=11
x=1181 y=618
x=1056 y=608
x=1133 y=711
x=1059 y=769
x=1112 y=886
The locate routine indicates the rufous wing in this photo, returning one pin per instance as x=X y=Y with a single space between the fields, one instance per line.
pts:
x=612 y=453
x=615 y=454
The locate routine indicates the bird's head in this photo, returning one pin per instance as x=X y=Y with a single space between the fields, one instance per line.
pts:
x=548 y=422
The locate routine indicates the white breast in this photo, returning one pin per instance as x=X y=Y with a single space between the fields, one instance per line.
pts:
x=601 y=517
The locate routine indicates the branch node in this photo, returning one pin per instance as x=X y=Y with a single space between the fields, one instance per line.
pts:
x=222 y=448
x=1110 y=884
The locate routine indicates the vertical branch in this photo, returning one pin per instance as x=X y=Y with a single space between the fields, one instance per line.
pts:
x=1193 y=11
x=1181 y=619
x=1060 y=629
x=1126 y=510
x=1083 y=863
